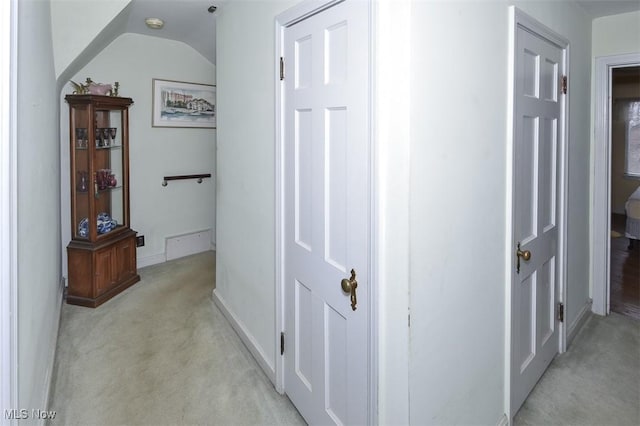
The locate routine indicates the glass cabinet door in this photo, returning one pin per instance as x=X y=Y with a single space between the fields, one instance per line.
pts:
x=109 y=173
x=99 y=170
x=81 y=176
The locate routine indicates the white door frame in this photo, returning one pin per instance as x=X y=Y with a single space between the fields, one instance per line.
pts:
x=8 y=208
x=284 y=20
x=521 y=19
x=601 y=203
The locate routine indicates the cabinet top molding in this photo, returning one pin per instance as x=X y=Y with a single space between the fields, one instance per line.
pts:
x=99 y=100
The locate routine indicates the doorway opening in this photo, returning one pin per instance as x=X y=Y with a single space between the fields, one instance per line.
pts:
x=624 y=248
x=605 y=243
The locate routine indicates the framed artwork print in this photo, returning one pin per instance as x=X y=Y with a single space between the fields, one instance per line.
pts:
x=182 y=104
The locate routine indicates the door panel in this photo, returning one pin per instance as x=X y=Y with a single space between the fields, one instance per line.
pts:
x=526 y=182
x=546 y=323
x=303 y=179
x=548 y=181
x=326 y=199
x=335 y=189
x=304 y=348
x=335 y=361
x=104 y=271
x=537 y=115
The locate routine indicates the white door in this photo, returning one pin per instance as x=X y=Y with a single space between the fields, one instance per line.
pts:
x=538 y=133
x=326 y=199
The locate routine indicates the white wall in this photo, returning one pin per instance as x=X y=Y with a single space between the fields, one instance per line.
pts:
x=458 y=130
x=458 y=134
x=181 y=207
x=76 y=23
x=38 y=170
x=616 y=34
x=245 y=268
x=8 y=195
x=392 y=153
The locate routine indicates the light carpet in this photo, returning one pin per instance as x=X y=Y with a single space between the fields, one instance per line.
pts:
x=596 y=382
x=161 y=353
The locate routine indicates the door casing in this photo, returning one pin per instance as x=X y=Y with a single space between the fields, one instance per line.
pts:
x=8 y=207
x=601 y=203
x=520 y=19
x=284 y=20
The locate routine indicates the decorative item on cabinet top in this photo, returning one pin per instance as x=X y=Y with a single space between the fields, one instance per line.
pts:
x=93 y=88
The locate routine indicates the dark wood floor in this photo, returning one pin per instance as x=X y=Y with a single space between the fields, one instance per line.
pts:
x=625 y=272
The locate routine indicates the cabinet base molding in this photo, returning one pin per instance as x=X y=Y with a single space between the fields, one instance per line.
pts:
x=94 y=303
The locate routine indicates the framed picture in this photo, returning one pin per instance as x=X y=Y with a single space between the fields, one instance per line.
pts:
x=182 y=104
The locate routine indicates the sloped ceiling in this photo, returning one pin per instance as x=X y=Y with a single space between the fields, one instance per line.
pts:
x=599 y=8
x=188 y=21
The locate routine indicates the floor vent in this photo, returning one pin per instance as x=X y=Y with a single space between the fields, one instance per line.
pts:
x=186 y=244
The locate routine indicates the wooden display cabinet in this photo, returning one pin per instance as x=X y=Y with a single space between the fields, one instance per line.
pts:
x=102 y=251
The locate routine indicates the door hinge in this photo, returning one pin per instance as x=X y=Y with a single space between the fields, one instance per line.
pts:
x=282 y=343
x=561 y=312
x=281 y=68
x=564 y=84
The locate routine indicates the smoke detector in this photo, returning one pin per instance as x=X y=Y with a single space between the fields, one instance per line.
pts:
x=154 y=23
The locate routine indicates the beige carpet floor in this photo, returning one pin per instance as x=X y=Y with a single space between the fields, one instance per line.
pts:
x=596 y=382
x=161 y=353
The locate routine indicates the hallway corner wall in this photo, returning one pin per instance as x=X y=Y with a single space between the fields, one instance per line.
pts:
x=245 y=264
x=38 y=174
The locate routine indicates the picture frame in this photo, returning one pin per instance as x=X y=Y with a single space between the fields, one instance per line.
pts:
x=183 y=104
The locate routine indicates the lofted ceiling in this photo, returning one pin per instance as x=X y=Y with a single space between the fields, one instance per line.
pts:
x=188 y=21
x=598 y=8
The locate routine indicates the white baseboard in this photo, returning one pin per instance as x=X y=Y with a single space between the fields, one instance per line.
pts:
x=503 y=421
x=247 y=338
x=51 y=359
x=581 y=319
x=154 y=259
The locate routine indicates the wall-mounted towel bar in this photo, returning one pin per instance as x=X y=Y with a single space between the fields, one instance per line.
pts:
x=166 y=179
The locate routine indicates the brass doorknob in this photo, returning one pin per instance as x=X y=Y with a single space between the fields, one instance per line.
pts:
x=349 y=286
x=525 y=255
x=346 y=285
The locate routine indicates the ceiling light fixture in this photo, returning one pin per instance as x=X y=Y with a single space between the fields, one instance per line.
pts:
x=154 y=23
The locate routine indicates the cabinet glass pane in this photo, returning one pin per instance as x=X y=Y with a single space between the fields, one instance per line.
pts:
x=81 y=172
x=109 y=173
